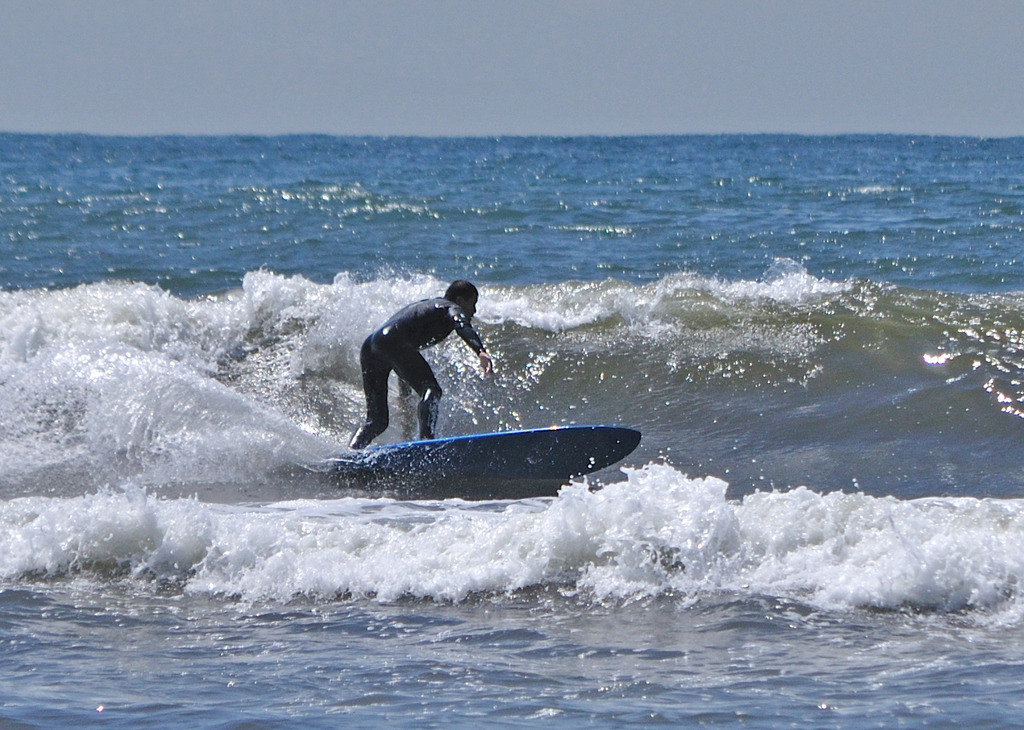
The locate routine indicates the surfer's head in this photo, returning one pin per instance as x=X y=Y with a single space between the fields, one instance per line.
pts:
x=464 y=294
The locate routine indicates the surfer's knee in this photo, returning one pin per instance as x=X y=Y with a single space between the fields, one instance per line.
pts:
x=432 y=394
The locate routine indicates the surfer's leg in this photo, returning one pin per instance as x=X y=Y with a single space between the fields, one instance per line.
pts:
x=408 y=400
x=414 y=370
x=375 y=386
x=429 y=407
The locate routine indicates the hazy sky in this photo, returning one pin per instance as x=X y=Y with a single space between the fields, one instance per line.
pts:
x=512 y=67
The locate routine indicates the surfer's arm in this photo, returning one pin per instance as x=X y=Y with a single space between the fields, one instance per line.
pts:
x=474 y=341
x=471 y=338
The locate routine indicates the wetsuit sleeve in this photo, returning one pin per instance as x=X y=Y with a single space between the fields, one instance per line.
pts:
x=466 y=331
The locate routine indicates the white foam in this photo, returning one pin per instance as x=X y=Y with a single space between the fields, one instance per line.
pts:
x=656 y=533
x=125 y=371
x=140 y=317
x=570 y=305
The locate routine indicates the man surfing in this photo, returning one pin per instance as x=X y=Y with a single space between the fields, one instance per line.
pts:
x=396 y=345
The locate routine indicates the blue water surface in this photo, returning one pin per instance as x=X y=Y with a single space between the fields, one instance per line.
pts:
x=195 y=213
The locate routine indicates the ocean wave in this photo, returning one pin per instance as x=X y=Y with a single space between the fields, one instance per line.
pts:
x=657 y=533
x=272 y=306
x=318 y=328
x=789 y=370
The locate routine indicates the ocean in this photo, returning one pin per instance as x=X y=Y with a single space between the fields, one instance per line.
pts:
x=821 y=339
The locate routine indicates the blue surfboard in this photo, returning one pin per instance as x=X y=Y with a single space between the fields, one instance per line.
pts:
x=503 y=465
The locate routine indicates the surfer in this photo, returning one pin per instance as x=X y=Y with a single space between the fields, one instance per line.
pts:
x=396 y=345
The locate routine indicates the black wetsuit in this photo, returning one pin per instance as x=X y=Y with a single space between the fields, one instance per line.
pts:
x=396 y=346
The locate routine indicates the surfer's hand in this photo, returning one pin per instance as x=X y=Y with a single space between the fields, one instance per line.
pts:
x=486 y=364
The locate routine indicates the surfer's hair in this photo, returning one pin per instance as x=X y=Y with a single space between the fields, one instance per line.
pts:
x=461 y=289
